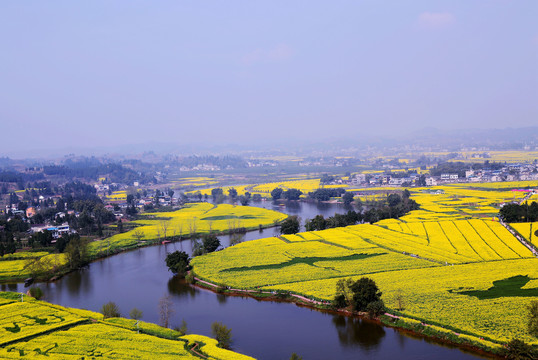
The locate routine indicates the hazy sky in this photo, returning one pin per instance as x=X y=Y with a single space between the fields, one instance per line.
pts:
x=93 y=73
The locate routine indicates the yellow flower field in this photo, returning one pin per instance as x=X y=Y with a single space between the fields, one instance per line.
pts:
x=527 y=230
x=457 y=266
x=38 y=330
x=197 y=218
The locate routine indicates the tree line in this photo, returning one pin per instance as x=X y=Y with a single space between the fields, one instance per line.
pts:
x=519 y=213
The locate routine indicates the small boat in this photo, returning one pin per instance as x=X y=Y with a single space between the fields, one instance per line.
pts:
x=165 y=242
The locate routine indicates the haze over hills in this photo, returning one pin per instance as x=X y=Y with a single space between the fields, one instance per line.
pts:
x=429 y=138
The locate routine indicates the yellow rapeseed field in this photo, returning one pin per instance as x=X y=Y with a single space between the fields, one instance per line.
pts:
x=38 y=330
x=456 y=265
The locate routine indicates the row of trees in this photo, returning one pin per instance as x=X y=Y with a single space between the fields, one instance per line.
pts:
x=519 y=213
x=338 y=220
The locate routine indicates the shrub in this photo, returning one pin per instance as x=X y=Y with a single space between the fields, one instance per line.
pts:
x=222 y=334
x=110 y=309
x=375 y=308
x=36 y=293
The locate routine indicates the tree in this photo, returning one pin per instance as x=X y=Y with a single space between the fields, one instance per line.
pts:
x=210 y=243
x=138 y=234
x=291 y=225
x=344 y=296
x=222 y=334
x=375 y=308
x=359 y=295
x=399 y=299
x=178 y=262
x=232 y=193
x=347 y=198
x=533 y=318
x=294 y=356
x=164 y=227
x=77 y=251
x=276 y=193
x=166 y=310
x=518 y=350
x=110 y=309
x=365 y=291
x=292 y=194
x=244 y=200
x=317 y=223
x=216 y=193
x=394 y=199
x=183 y=328
x=135 y=314
x=36 y=293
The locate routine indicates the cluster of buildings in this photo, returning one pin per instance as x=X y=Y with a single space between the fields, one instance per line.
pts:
x=511 y=172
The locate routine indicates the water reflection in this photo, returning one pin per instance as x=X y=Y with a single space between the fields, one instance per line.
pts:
x=180 y=288
x=222 y=299
x=358 y=332
x=9 y=287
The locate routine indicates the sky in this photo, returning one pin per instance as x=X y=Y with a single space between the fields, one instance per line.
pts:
x=103 y=73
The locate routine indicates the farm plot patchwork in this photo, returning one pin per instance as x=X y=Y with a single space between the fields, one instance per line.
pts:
x=196 y=218
x=37 y=330
x=490 y=275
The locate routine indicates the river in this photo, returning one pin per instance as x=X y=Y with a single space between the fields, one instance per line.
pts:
x=262 y=329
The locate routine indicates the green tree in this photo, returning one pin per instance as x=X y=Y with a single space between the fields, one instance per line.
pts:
x=375 y=308
x=344 y=295
x=347 y=198
x=365 y=291
x=36 y=293
x=232 y=193
x=77 y=251
x=294 y=356
x=135 y=314
x=210 y=243
x=518 y=350
x=292 y=194
x=183 y=328
x=178 y=262
x=110 y=309
x=216 y=193
x=276 y=193
x=394 y=199
x=290 y=225
x=222 y=334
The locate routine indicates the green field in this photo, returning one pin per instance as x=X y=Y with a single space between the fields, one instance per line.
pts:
x=38 y=330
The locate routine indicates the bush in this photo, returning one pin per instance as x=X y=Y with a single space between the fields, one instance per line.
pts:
x=222 y=334
x=518 y=350
x=110 y=309
x=36 y=293
x=339 y=301
x=375 y=308
x=135 y=314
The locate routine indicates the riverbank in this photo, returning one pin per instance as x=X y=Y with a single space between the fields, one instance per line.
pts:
x=25 y=271
x=409 y=326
